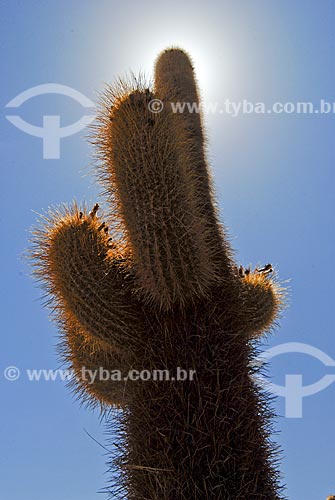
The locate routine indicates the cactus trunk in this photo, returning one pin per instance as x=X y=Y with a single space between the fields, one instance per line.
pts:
x=204 y=438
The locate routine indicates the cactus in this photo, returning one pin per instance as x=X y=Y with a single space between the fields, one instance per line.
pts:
x=159 y=290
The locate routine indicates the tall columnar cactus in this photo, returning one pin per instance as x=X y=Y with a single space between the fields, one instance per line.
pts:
x=159 y=290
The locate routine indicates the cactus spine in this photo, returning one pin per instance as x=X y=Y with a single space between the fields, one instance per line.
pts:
x=159 y=291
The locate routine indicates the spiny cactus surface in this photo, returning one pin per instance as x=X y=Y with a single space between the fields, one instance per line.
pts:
x=159 y=290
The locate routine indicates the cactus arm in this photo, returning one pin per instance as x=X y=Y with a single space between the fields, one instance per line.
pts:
x=170 y=242
x=262 y=300
x=92 y=362
x=86 y=278
x=175 y=83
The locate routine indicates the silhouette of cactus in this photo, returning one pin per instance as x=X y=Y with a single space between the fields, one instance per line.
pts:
x=159 y=290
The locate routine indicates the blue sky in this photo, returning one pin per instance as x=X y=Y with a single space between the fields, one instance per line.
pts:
x=274 y=177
